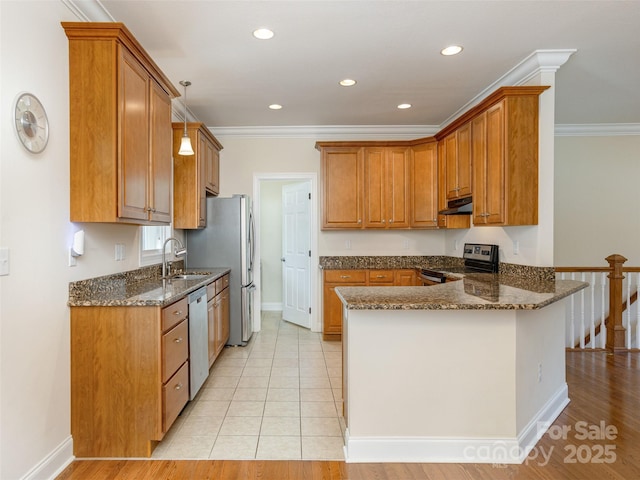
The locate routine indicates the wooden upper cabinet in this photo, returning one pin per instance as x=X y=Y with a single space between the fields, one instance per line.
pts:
x=424 y=186
x=386 y=187
x=212 y=168
x=447 y=221
x=505 y=157
x=120 y=127
x=194 y=176
x=458 y=162
x=342 y=172
x=161 y=178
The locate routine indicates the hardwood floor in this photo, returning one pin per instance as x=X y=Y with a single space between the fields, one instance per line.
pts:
x=596 y=437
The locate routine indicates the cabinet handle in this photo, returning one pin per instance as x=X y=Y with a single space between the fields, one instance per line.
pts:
x=178 y=340
x=178 y=312
x=380 y=276
x=391 y=220
x=345 y=276
x=383 y=220
x=178 y=386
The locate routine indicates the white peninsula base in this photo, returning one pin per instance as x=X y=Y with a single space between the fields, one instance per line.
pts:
x=461 y=386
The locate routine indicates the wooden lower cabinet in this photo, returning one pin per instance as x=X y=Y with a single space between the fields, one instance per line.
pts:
x=218 y=316
x=331 y=304
x=129 y=377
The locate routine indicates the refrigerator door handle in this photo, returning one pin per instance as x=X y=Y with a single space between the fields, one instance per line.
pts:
x=252 y=247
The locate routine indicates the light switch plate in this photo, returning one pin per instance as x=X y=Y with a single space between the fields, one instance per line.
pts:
x=4 y=261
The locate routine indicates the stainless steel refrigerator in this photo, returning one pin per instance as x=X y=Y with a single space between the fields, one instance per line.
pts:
x=228 y=241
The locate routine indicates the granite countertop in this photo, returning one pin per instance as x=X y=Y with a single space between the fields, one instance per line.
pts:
x=138 y=288
x=474 y=291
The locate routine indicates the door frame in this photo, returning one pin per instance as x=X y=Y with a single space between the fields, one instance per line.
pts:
x=316 y=324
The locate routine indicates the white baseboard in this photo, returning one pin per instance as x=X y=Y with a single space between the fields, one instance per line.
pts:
x=54 y=463
x=271 y=306
x=457 y=450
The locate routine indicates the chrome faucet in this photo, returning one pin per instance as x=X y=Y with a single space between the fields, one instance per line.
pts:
x=177 y=252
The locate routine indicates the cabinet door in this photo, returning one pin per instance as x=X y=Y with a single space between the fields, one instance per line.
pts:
x=397 y=187
x=374 y=188
x=212 y=161
x=201 y=179
x=342 y=182
x=405 y=278
x=479 y=158
x=332 y=313
x=160 y=158
x=211 y=325
x=133 y=161
x=447 y=221
x=464 y=160
x=224 y=318
x=495 y=172
x=424 y=186
x=451 y=166
x=458 y=162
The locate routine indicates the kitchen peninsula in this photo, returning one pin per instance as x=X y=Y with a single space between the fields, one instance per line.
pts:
x=465 y=371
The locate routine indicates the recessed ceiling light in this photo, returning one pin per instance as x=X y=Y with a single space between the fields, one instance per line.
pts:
x=404 y=106
x=348 y=82
x=451 y=50
x=275 y=106
x=263 y=34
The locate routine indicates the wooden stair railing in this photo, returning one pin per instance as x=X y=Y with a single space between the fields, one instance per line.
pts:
x=587 y=337
x=615 y=330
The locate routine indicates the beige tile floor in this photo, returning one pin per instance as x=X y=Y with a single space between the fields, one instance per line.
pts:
x=277 y=398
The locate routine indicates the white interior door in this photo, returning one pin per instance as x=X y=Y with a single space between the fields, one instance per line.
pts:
x=296 y=253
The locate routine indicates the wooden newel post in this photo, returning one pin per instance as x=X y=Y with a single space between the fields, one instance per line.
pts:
x=615 y=330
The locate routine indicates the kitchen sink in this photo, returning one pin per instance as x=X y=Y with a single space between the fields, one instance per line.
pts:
x=189 y=276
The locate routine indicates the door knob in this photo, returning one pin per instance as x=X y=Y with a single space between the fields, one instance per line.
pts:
x=282 y=259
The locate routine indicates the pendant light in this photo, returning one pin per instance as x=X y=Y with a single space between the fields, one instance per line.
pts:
x=185 y=144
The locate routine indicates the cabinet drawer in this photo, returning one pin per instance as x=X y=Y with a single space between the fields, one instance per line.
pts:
x=175 y=395
x=222 y=283
x=381 y=276
x=174 y=313
x=345 y=276
x=211 y=291
x=175 y=349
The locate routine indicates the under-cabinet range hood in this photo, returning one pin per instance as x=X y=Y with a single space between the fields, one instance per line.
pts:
x=458 y=206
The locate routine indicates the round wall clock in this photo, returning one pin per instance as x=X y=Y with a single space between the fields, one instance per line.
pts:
x=31 y=123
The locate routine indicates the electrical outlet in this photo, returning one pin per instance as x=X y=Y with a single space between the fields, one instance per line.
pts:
x=347 y=244
x=405 y=244
x=456 y=244
x=516 y=247
x=120 y=252
x=539 y=372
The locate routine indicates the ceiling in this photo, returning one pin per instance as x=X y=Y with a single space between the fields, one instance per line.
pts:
x=392 y=49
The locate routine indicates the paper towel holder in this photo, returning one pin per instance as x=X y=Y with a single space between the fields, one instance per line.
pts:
x=77 y=249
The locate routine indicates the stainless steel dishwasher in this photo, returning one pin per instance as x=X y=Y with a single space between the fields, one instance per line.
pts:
x=198 y=341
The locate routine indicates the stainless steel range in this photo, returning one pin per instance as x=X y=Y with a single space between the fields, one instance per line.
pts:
x=478 y=258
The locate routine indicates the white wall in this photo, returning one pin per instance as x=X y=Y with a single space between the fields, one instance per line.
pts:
x=34 y=225
x=597 y=207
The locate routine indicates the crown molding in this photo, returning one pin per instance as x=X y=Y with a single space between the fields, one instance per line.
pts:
x=88 y=10
x=596 y=129
x=540 y=61
x=332 y=132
